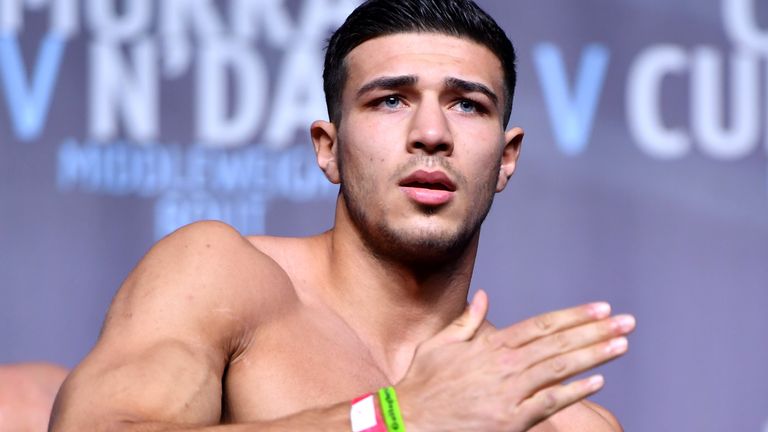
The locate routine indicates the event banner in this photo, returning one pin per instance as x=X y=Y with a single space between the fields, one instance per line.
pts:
x=643 y=179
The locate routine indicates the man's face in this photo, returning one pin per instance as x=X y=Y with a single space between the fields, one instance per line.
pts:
x=421 y=147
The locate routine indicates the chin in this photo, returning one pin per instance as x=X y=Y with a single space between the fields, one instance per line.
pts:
x=422 y=239
x=428 y=245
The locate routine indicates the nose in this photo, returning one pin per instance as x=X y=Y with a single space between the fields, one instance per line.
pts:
x=429 y=131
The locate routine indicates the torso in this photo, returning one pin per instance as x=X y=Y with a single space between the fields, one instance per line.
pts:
x=308 y=357
x=300 y=361
x=304 y=358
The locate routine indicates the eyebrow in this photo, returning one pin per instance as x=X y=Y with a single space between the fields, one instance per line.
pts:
x=471 y=87
x=388 y=83
x=395 y=82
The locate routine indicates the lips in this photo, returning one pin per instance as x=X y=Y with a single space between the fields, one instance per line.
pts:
x=428 y=188
x=436 y=180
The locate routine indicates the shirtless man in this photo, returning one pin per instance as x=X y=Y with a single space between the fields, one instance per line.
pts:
x=215 y=331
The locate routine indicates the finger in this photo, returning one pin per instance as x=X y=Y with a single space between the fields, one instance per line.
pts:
x=464 y=327
x=556 y=369
x=549 y=401
x=575 y=338
x=549 y=323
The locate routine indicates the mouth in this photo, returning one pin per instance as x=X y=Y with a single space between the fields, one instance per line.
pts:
x=428 y=188
x=435 y=180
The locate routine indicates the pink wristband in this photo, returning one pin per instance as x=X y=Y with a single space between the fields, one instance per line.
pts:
x=364 y=416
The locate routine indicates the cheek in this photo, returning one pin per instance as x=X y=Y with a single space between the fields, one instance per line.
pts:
x=482 y=171
x=368 y=148
x=363 y=162
x=481 y=156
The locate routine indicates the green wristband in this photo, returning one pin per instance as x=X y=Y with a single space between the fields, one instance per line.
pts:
x=390 y=410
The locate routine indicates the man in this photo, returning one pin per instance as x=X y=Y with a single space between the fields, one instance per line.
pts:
x=215 y=331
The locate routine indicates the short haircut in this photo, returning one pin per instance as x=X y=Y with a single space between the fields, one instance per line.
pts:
x=375 y=18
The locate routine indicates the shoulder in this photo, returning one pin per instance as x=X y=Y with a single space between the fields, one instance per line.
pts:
x=204 y=278
x=585 y=416
x=206 y=257
x=214 y=245
x=605 y=414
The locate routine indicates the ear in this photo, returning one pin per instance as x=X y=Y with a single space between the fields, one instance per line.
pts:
x=514 y=140
x=324 y=140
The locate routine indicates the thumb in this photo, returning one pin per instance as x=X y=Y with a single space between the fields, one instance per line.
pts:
x=464 y=327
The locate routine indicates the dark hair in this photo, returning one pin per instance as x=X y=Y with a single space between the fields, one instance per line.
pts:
x=375 y=18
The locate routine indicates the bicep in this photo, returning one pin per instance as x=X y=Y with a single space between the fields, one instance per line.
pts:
x=187 y=309
x=166 y=381
x=152 y=363
x=163 y=349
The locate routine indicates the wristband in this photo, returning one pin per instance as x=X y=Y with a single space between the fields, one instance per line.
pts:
x=391 y=410
x=364 y=416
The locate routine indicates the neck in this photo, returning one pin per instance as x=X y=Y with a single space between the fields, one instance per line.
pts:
x=391 y=304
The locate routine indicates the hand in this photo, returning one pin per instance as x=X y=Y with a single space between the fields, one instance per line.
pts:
x=509 y=379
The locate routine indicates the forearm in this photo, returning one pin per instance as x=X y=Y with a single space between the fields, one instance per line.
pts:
x=328 y=419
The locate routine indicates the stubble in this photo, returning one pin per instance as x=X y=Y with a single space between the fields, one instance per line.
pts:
x=422 y=246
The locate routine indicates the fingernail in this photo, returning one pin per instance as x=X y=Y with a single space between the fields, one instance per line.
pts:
x=624 y=323
x=617 y=345
x=600 y=310
x=595 y=382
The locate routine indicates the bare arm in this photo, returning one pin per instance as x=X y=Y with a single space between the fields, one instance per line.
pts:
x=181 y=316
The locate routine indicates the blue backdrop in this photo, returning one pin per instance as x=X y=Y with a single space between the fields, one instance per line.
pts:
x=643 y=178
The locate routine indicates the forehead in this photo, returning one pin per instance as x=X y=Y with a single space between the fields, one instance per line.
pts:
x=428 y=56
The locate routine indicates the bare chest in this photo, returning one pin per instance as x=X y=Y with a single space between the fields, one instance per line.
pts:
x=303 y=360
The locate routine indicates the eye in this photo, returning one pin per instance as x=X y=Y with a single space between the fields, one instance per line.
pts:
x=391 y=102
x=467 y=106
